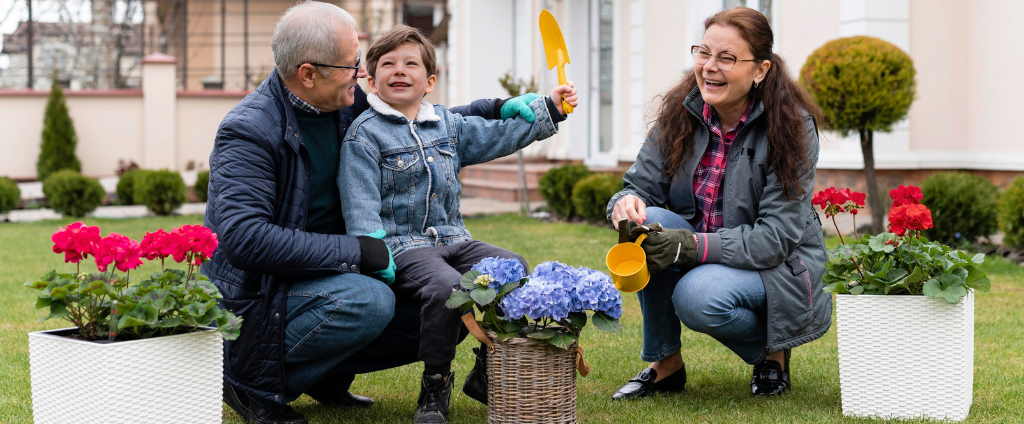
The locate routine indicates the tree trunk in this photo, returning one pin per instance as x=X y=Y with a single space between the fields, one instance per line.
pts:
x=874 y=200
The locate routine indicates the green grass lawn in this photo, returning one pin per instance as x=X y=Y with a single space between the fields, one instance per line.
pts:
x=718 y=387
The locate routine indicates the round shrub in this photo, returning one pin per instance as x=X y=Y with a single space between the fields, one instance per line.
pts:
x=1011 y=214
x=161 y=191
x=963 y=206
x=9 y=194
x=202 y=185
x=591 y=195
x=126 y=187
x=556 y=186
x=73 y=194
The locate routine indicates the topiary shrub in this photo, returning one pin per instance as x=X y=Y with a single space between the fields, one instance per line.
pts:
x=963 y=206
x=556 y=186
x=591 y=195
x=57 y=151
x=73 y=194
x=10 y=195
x=202 y=185
x=862 y=84
x=161 y=191
x=126 y=187
x=1011 y=214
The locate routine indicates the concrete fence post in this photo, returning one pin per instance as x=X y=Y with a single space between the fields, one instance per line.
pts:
x=159 y=94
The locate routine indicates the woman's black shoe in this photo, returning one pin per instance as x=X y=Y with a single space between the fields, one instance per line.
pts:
x=643 y=384
x=770 y=378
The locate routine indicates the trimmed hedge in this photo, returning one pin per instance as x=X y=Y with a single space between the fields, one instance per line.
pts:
x=161 y=191
x=1011 y=214
x=126 y=187
x=202 y=185
x=73 y=194
x=10 y=196
x=556 y=187
x=591 y=195
x=57 y=150
x=963 y=206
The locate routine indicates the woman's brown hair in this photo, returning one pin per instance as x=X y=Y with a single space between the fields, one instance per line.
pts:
x=784 y=104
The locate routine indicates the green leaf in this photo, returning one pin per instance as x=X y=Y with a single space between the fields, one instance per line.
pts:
x=169 y=322
x=857 y=290
x=979 y=258
x=504 y=337
x=57 y=310
x=97 y=288
x=58 y=293
x=562 y=340
x=877 y=243
x=951 y=294
x=949 y=280
x=483 y=296
x=577 y=320
x=468 y=279
x=229 y=325
x=508 y=287
x=896 y=274
x=43 y=302
x=146 y=313
x=977 y=280
x=458 y=299
x=509 y=326
x=542 y=334
x=916 y=277
x=606 y=323
x=128 y=322
x=932 y=288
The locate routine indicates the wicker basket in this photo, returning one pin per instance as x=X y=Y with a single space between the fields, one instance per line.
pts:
x=530 y=381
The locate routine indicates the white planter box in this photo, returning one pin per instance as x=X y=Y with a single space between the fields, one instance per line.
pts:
x=905 y=356
x=175 y=379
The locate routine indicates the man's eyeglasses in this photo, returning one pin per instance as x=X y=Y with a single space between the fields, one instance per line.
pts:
x=725 y=60
x=359 y=61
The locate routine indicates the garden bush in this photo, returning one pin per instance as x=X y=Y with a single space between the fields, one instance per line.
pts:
x=556 y=186
x=126 y=187
x=963 y=206
x=161 y=191
x=73 y=194
x=57 y=151
x=591 y=195
x=202 y=185
x=10 y=196
x=1011 y=214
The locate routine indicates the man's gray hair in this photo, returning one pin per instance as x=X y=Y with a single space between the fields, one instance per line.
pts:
x=308 y=32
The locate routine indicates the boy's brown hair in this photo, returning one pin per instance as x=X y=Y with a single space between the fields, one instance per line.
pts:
x=399 y=35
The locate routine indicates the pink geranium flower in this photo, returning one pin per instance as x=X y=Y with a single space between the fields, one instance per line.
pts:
x=76 y=241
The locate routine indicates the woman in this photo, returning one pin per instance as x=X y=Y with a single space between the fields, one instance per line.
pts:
x=728 y=171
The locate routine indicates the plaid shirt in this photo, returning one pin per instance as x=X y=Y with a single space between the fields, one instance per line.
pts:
x=299 y=103
x=708 y=179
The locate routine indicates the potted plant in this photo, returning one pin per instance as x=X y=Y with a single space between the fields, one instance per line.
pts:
x=138 y=351
x=909 y=351
x=533 y=324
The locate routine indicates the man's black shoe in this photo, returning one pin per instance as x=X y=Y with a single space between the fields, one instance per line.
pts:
x=770 y=378
x=476 y=381
x=329 y=393
x=643 y=384
x=435 y=393
x=252 y=412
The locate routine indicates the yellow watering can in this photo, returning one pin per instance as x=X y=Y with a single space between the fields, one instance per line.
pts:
x=628 y=262
x=554 y=48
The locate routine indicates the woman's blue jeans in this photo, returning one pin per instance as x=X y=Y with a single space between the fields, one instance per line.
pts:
x=726 y=303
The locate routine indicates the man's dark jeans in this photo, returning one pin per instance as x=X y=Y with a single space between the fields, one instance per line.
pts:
x=343 y=325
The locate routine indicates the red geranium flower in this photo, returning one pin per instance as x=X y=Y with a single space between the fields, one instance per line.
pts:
x=119 y=250
x=158 y=245
x=76 y=241
x=906 y=195
x=834 y=201
x=909 y=217
x=193 y=239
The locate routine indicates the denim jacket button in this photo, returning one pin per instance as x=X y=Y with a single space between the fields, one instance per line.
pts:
x=354 y=269
x=277 y=315
x=430 y=158
x=344 y=267
x=433 y=196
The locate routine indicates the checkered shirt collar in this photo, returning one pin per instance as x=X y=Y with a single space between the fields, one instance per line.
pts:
x=301 y=104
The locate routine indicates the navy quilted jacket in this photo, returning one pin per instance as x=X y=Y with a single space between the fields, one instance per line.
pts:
x=259 y=181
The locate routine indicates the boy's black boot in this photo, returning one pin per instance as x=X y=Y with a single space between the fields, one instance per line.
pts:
x=476 y=381
x=435 y=393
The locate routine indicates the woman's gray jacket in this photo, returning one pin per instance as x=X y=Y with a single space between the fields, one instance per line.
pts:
x=762 y=231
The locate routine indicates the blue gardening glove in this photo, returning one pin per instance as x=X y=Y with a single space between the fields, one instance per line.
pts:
x=520 y=106
x=387 y=275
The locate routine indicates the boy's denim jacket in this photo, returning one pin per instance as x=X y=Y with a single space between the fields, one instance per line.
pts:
x=403 y=177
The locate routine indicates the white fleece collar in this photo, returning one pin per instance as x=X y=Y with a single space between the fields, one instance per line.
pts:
x=425 y=114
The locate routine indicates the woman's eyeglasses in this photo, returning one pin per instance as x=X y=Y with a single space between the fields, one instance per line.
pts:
x=725 y=61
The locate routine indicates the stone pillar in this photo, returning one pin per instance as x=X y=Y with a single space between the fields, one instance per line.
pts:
x=158 y=115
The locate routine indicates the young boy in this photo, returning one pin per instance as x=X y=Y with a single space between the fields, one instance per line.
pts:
x=400 y=180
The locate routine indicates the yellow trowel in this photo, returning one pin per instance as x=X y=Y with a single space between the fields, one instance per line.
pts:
x=554 y=48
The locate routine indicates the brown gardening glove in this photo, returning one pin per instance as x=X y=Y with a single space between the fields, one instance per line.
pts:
x=629 y=231
x=670 y=248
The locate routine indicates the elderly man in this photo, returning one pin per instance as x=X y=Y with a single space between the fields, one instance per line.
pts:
x=314 y=307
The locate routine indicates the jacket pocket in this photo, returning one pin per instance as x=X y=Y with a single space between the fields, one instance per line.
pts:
x=450 y=165
x=243 y=356
x=398 y=173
